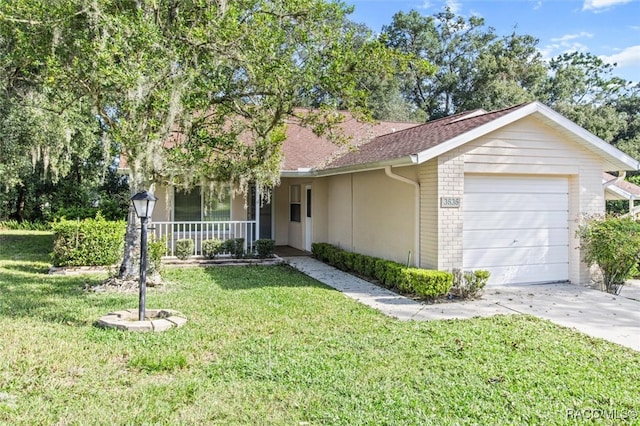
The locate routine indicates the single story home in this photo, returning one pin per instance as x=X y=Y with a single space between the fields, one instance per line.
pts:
x=503 y=191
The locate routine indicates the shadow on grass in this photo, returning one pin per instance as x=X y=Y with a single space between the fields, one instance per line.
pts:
x=27 y=246
x=53 y=299
x=28 y=291
x=27 y=268
x=258 y=276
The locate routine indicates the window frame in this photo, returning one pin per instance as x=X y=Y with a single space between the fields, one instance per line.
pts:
x=295 y=203
x=202 y=196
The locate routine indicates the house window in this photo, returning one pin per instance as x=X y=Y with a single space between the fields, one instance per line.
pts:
x=197 y=205
x=187 y=206
x=294 y=203
x=217 y=205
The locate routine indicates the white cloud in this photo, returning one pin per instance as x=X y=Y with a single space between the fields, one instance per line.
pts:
x=552 y=50
x=565 y=44
x=425 y=5
x=629 y=57
x=567 y=37
x=454 y=5
x=601 y=4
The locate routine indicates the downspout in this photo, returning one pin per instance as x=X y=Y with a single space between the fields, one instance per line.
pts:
x=416 y=186
x=621 y=175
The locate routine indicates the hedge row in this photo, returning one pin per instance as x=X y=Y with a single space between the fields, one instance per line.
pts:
x=423 y=282
x=89 y=242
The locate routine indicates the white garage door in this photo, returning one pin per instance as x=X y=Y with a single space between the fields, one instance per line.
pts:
x=517 y=227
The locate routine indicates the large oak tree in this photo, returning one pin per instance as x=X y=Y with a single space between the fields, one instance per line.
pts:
x=210 y=74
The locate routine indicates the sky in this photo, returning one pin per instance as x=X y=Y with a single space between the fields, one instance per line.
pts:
x=609 y=29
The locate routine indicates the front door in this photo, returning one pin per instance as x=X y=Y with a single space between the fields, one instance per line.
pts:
x=307 y=220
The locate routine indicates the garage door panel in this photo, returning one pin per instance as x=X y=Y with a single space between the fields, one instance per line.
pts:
x=534 y=273
x=521 y=184
x=517 y=227
x=514 y=256
x=507 y=237
x=514 y=220
x=517 y=202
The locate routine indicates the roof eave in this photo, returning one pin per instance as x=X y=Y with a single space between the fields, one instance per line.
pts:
x=298 y=173
x=615 y=159
x=620 y=193
x=396 y=162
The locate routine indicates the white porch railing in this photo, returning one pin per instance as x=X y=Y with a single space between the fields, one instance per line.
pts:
x=170 y=232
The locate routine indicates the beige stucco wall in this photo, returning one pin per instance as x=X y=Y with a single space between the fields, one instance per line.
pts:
x=525 y=147
x=162 y=212
x=373 y=214
x=340 y=210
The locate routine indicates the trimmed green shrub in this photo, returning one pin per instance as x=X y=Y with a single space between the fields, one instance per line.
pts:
x=370 y=266
x=380 y=270
x=211 y=248
x=234 y=246
x=89 y=242
x=422 y=282
x=426 y=283
x=335 y=258
x=612 y=243
x=359 y=261
x=184 y=248
x=393 y=275
x=469 y=284
x=265 y=248
x=155 y=250
x=319 y=250
x=348 y=260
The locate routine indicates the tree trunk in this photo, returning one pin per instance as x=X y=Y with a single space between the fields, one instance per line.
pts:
x=130 y=267
x=20 y=204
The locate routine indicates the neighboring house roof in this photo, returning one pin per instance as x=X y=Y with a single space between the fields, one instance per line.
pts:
x=621 y=190
x=424 y=142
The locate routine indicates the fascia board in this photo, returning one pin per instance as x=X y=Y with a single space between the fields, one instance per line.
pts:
x=402 y=161
x=620 y=192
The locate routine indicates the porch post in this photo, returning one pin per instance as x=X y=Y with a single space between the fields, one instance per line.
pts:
x=257 y=209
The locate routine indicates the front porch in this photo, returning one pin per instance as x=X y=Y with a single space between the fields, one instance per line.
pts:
x=198 y=231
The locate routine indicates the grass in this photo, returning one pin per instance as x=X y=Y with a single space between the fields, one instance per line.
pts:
x=268 y=345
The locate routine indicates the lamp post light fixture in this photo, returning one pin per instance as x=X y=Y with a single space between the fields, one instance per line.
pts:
x=143 y=203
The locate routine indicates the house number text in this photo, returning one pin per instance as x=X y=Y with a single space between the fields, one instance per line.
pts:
x=450 y=202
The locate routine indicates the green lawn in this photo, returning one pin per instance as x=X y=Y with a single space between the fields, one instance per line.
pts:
x=267 y=345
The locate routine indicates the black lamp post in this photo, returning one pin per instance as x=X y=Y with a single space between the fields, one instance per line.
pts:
x=143 y=203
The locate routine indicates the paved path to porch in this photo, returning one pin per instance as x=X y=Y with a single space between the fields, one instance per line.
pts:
x=595 y=313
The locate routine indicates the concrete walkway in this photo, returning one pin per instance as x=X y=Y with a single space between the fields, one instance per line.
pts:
x=595 y=313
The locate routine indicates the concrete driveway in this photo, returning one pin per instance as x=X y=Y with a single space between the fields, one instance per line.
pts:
x=593 y=312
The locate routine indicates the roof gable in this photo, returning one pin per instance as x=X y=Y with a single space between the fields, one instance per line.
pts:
x=424 y=142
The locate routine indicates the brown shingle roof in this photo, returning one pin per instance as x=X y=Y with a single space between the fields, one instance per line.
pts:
x=303 y=149
x=623 y=184
x=418 y=138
